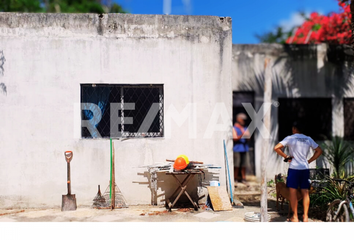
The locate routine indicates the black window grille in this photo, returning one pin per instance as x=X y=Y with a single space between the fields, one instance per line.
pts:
x=116 y=110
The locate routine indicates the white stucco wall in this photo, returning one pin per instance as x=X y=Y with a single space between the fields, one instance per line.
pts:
x=48 y=56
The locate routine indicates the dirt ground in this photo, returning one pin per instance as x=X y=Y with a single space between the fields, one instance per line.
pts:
x=141 y=213
x=249 y=197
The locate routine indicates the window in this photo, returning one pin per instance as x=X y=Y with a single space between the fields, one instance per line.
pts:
x=314 y=113
x=115 y=110
x=348 y=107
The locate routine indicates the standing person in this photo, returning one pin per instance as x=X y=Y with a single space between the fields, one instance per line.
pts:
x=298 y=174
x=240 y=136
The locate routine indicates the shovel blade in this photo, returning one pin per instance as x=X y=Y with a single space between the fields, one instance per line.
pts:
x=68 y=202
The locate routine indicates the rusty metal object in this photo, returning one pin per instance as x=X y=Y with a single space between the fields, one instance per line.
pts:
x=120 y=201
x=68 y=202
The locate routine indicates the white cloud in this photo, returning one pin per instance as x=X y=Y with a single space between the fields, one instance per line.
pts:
x=295 y=20
x=187 y=6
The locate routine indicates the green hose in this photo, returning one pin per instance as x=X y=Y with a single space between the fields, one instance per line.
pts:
x=110 y=182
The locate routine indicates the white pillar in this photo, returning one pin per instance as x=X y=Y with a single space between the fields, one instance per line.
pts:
x=265 y=146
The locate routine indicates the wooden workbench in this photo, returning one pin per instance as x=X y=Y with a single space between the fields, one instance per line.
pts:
x=189 y=174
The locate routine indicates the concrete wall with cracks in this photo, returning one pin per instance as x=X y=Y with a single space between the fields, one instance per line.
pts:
x=48 y=56
x=2 y=62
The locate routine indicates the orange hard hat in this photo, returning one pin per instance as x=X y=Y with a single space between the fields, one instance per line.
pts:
x=180 y=164
x=185 y=158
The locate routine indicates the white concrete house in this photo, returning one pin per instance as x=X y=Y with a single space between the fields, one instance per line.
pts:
x=50 y=63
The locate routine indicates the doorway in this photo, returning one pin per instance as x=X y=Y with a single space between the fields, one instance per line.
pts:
x=240 y=97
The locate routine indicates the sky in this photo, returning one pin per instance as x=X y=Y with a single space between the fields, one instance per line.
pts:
x=249 y=17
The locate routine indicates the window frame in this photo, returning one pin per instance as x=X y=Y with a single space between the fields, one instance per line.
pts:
x=124 y=134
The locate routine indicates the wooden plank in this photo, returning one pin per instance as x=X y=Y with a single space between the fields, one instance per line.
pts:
x=219 y=198
x=192 y=162
x=183 y=173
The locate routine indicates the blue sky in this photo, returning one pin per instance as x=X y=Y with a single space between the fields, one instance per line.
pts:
x=249 y=17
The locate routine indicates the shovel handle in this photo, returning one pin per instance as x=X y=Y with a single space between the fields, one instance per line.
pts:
x=68 y=155
x=69 y=182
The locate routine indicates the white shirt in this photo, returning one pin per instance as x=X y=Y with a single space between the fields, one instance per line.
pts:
x=299 y=146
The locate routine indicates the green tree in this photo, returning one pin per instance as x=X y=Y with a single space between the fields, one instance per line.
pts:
x=115 y=8
x=277 y=36
x=61 y=6
x=75 y=6
x=21 y=6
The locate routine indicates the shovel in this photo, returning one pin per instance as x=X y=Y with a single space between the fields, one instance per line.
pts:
x=68 y=202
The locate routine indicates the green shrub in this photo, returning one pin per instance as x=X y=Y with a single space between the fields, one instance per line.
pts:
x=338 y=153
x=320 y=200
x=325 y=195
x=270 y=183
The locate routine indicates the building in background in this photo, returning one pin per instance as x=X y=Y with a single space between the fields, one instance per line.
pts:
x=312 y=83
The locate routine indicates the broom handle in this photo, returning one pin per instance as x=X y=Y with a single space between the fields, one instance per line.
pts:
x=228 y=173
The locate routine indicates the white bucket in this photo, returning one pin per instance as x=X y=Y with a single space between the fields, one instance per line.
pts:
x=214 y=183
x=254 y=217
